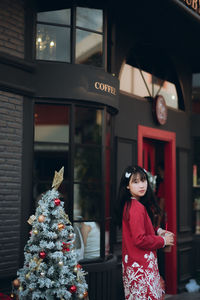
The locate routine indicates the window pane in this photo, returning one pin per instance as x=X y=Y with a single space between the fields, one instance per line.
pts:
x=145 y=84
x=45 y=165
x=107 y=238
x=89 y=48
x=132 y=81
x=53 y=43
x=51 y=124
x=79 y=244
x=87 y=164
x=50 y=147
x=87 y=200
x=167 y=90
x=88 y=125
x=90 y=18
x=91 y=237
x=57 y=16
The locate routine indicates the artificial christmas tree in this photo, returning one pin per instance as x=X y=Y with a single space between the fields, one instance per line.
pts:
x=51 y=270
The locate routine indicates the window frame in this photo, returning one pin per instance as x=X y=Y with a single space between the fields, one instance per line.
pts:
x=73 y=28
x=70 y=181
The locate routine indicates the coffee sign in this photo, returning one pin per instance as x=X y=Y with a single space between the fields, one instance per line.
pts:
x=105 y=88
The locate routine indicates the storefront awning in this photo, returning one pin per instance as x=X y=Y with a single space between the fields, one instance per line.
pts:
x=168 y=25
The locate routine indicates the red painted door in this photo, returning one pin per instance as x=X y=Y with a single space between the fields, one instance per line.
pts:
x=147 y=138
x=149 y=156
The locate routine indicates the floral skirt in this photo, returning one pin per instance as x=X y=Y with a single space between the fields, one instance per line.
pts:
x=142 y=283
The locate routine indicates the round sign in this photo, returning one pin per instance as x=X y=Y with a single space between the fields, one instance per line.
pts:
x=160 y=109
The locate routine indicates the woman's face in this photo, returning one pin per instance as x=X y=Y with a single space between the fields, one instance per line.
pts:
x=137 y=186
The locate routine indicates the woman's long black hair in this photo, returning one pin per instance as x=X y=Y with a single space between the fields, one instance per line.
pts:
x=124 y=196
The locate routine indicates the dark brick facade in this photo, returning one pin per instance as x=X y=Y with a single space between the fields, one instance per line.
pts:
x=11 y=118
x=11 y=132
x=12 y=27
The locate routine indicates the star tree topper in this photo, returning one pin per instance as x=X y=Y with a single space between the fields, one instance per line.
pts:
x=58 y=178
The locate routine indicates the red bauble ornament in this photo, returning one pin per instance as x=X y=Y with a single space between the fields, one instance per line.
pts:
x=42 y=254
x=73 y=289
x=66 y=247
x=78 y=266
x=57 y=202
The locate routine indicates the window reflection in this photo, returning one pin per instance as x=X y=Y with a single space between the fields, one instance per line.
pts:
x=79 y=244
x=91 y=238
x=87 y=201
x=90 y=18
x=89 y=48
x=51 y=149
x=107 y=238
x=57 y=16
x=87 y=242
x=144 y=84
x=53 y=43
x=51 y=123
x=56 y=31
x=88 y=127
x=85 y=192
x=87 y=164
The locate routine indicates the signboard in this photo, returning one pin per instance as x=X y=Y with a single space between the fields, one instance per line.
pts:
x=192 y=4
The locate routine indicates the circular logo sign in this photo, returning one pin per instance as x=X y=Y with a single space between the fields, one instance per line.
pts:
x=160 y=109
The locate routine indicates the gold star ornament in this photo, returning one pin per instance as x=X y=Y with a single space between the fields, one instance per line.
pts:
x=58 y=178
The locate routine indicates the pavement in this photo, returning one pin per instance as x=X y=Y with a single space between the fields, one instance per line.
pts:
x=184 y=296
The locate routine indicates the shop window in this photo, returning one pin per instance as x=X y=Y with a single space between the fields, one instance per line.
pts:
x=51 y=145
x=78 y=138
x=58 y=33
x=138 y=82
x=89 y=38
x=53 y=35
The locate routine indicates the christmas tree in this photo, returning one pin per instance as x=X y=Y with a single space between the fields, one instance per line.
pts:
x=51 y=270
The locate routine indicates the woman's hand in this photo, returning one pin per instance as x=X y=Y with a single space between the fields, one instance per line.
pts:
x=168 y=235
x=162 y=232
x=169 y=238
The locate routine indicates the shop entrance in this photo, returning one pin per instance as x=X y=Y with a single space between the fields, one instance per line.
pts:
x=156 y=151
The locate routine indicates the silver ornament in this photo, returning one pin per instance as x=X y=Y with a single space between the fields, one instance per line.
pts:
x=71 y=235
x=60 y=263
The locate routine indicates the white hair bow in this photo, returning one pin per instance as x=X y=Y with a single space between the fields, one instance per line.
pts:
x=127 y=175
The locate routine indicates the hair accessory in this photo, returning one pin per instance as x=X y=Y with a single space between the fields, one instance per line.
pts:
x=127 y=175
x=152 y=179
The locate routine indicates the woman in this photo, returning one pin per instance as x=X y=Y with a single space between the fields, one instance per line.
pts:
x=141 y=277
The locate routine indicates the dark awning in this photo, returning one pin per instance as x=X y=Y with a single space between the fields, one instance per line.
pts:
x=167 y=26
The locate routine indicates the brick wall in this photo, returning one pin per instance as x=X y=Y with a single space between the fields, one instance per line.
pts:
x=11 y=118
x=12 y=27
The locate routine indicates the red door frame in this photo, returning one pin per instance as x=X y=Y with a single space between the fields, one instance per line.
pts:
x=170 y=181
